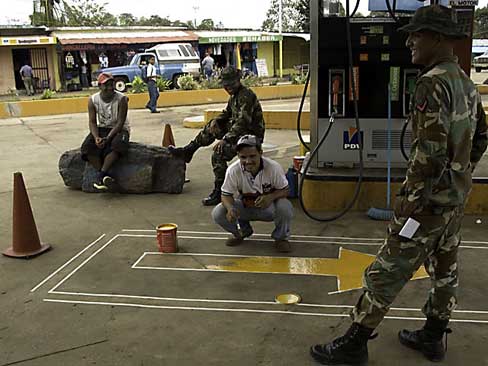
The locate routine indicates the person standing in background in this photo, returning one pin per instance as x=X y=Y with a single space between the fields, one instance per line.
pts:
x=84 y=77
x=152 y=88
x=26 y=74
x=208 y=65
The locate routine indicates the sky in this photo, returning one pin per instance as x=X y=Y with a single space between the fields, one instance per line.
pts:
x=232 y=13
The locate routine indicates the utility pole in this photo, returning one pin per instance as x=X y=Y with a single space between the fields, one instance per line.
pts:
x=280 y=28
x=195 y=9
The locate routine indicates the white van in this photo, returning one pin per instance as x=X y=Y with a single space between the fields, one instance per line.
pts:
x=176 y=59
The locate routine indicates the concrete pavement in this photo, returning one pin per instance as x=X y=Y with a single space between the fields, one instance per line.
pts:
x=90 y=301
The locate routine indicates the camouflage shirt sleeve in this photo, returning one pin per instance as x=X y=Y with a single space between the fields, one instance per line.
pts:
x=223 y=119
x=242 y=116
x=430 y=125
x=480 y=138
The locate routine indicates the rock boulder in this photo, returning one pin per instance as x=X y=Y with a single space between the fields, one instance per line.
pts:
x=144 y=169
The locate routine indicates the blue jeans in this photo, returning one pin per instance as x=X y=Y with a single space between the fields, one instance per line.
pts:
x=153 y=95
x=280 y=211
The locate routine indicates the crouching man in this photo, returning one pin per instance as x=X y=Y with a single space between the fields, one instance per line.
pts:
x=261 y=187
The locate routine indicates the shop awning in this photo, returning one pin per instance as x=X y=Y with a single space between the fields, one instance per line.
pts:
x=84 y=38
x=206 y=37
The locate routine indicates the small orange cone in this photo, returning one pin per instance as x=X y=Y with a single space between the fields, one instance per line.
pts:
x=168 y=138
x=25 y=239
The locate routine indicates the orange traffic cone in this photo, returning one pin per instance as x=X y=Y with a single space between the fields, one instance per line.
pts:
x=25 y=238
x=168 y=138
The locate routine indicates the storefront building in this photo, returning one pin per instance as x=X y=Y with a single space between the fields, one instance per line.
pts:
x=243 y=49
x=87 y=50
x=33 y=46
x=255 y=51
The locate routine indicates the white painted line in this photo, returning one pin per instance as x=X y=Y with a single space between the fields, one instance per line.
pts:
x=68 y=262
x=269 y=240
x=199 y=308
x=256 y=234
x=224 y=255
x=140 y=259
x=82 y=264
x=272 y=240
x=245 y=310
x=381 y=240
x=165 y=298
x=140 y=297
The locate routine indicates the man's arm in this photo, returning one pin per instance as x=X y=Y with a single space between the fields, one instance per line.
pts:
x=267 y=199
x=232 y=212
x=429 y=158
x=121 y=117
x=223 y=118
x=92 y=119
x=242 y=118
x=480 y=138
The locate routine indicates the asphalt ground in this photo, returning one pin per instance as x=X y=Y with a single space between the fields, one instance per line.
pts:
x=103 y=296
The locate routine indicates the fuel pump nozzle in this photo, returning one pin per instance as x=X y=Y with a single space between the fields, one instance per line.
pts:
x=336 y=87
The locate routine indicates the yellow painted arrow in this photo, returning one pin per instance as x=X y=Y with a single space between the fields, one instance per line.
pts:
x=348 y=268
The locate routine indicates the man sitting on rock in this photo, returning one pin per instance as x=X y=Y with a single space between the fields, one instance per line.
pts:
x=243 y=115
x=109 y=130
x=261 y=190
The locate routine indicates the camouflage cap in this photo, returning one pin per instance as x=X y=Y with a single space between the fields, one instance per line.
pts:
x=436 y=18
x=230 y=75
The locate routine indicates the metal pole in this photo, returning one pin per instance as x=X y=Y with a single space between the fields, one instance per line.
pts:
x=280 y=26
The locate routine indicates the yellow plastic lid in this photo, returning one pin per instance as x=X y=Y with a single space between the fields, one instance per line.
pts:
x=166 y=227
x=288 y=299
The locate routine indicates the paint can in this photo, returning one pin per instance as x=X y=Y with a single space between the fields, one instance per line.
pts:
x=298 y=162
x=167 y=240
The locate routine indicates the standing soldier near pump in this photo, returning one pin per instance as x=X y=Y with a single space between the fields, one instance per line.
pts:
x=242 y=116
x=449 y=137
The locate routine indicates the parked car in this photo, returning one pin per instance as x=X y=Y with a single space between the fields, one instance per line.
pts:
x=172 y=61
x=481 y=62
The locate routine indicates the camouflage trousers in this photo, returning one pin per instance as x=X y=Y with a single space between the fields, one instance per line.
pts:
x=435 y=245
x=219 y=160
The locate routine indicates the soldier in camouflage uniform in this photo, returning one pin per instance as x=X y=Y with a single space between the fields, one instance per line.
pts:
x=242 y=116
x=449 y=138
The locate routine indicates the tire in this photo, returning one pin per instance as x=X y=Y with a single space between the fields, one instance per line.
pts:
x=477 y=69
x=174 y=81
x=120 y=84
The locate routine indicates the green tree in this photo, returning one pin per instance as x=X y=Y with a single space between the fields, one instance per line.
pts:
x=47 y=12
x=127 y=19
x=155 y=20
x=480 y=29
x=290 y=17
x=206 y=24
x=88 y=13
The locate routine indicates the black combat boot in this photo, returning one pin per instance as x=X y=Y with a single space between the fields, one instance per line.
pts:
x=427 y=340
x=350 y=349
x=214 y=197
x=185 y=152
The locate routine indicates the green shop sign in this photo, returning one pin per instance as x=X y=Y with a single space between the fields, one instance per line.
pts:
x=240 y=39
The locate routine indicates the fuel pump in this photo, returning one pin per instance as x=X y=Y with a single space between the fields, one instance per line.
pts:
x=361 y=80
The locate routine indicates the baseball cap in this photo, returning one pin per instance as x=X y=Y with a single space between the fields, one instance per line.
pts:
x=248 y=141
x=104 y=77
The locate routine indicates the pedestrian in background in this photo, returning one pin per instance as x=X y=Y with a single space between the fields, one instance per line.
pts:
x=26 y=75
x=152 y=88
x=449 y=137
x=208 y=65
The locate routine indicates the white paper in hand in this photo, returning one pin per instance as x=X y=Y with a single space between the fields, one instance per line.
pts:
x=410 y=228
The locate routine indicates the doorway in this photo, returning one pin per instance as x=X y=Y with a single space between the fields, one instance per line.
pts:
x=37 y=59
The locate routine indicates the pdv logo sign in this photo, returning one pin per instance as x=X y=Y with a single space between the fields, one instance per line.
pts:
x=351 y=139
